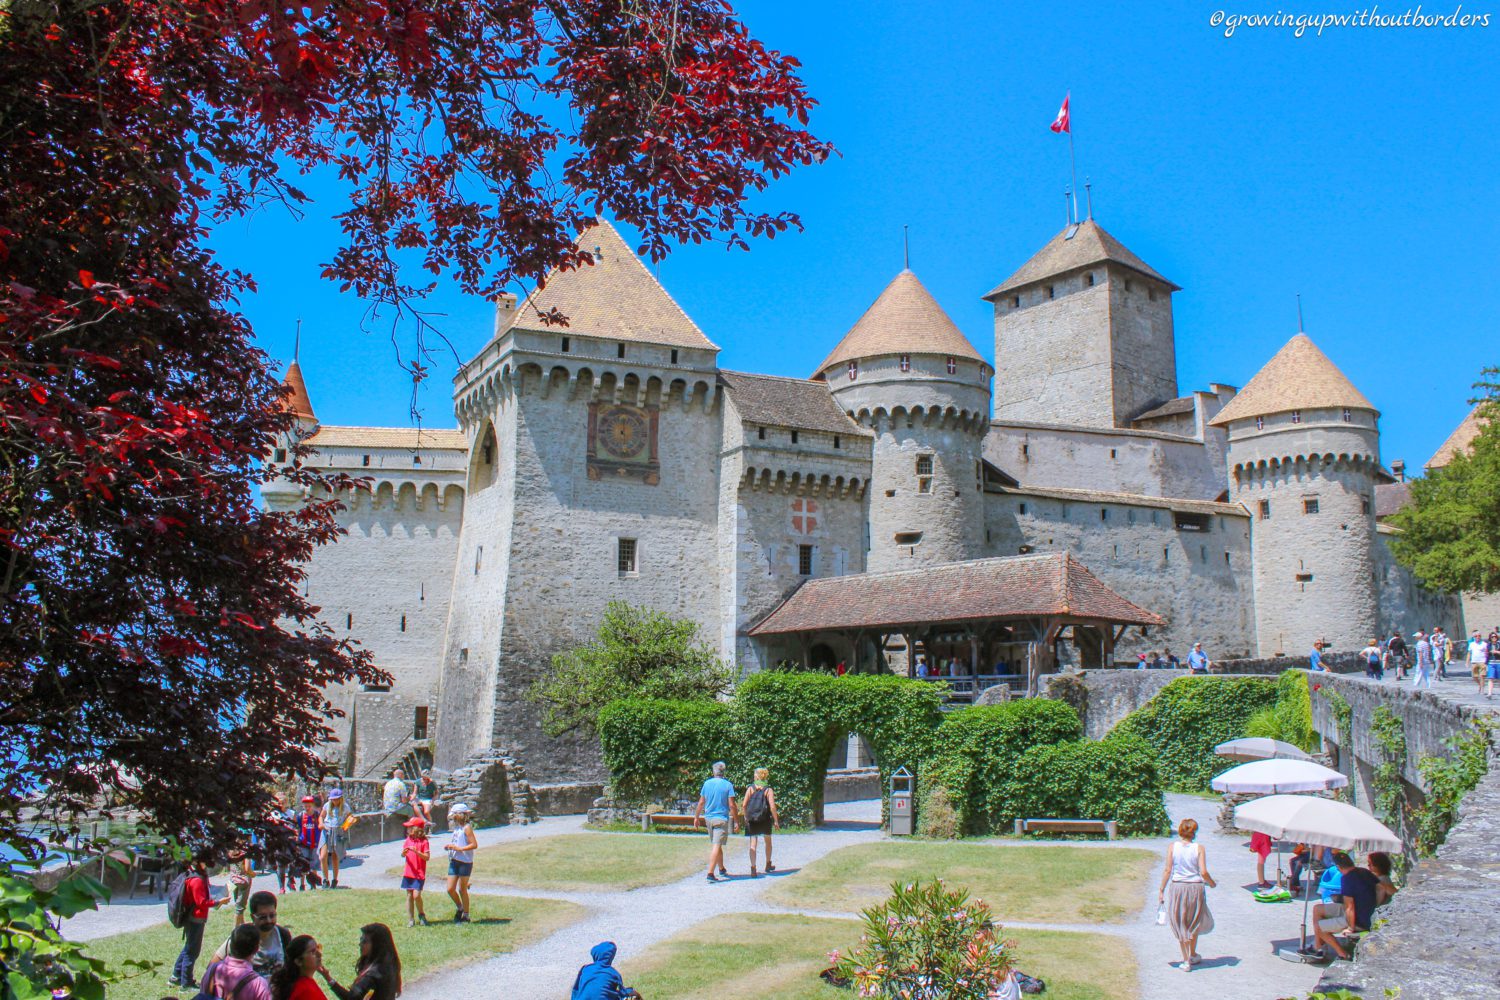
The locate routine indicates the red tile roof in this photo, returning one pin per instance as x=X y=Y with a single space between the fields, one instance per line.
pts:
x=298 y=402
x=1009 y=587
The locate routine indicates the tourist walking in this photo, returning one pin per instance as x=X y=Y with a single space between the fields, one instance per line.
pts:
x=197 y=901
x=235 y=978
x=1425 y=666
x=1182 y=895
x=1374 y=659
x=600 y=980
x=276 y=846
x=1479 y=652
x=1492 y=648
x=309 y=834
x=1396 y=646
x=1440 y=644
x=241 y=875
x=295 y=980
x=717 y=804
x=334 y=821
x=1198 y=661
x=460 y=848
x=274 y=940
x=377 y=971
x=415 y=850
x=759 y=810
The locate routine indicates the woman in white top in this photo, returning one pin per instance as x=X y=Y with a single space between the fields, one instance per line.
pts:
x=1182 y=893
x=460 y=848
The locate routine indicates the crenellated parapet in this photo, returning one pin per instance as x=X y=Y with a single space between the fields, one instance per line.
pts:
x=762 y=479
x=897 y=418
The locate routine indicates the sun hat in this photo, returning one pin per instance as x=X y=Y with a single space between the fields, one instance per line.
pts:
x=415 y=821
x=459 y=807
x=336 y=793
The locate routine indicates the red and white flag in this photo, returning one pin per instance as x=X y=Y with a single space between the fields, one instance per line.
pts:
x=1061 y=124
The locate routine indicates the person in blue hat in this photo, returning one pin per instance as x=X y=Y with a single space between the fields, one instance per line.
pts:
x=600 y=980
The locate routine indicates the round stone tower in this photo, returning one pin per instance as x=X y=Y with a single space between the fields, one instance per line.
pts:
x=906 y=372
x=1303 y=457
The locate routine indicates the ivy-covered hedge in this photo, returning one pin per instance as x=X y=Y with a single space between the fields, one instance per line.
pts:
x=658 y=748
x=1192 y=715
x=1290 y=719
x=1113 y=778
x=975 y=749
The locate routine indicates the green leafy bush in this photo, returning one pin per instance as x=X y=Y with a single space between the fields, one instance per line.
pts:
x=1290 y=719
x=1448 y=780
x=927 y=941
x=1113 y=778
x=975 y=748
x=655 y=747
x=1192 y=715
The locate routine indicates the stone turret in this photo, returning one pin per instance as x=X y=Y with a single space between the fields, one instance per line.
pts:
x=1083 y=334
x=1303 y=457
x=906 y=372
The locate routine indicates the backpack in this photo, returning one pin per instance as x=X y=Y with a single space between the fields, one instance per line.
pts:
x=758 y=809
x=205 y=990
x=177 y=905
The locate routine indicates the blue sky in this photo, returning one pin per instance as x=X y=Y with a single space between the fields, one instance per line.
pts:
x=1357 y=168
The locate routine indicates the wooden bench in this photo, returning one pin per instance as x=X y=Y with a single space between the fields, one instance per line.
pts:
x=1104 y=826
x=667 y=819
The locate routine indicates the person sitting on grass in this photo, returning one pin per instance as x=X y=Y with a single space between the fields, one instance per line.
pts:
x=294 y=980
x=1352 y=910
x=600 y=980
x=414 y=853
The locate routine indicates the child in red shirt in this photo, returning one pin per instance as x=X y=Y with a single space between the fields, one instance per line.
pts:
x=415 y=851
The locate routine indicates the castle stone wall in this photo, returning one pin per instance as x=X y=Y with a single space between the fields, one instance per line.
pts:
x=1480 y=611
x=1197 y=580
x=1149 y=463
x=1405 y=604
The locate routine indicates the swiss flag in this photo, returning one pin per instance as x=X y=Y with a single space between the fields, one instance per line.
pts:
x=1061 y=124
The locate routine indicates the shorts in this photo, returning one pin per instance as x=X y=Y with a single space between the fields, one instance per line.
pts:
x=309 y=855
x=1476 y=668
x=407 y=882
x=1494 y=671
x=718 y=831
x=241 y=894
x=335 y=842
x=1333 y=924
x=460 y=869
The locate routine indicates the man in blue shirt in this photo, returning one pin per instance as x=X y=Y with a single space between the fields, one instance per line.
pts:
x=1315 y=658
x=1198 y=659
x=1354 y=908
x=717 y=803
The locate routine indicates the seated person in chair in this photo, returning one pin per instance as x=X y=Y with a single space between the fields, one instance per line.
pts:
x=1352 y=909
x=1380 y=867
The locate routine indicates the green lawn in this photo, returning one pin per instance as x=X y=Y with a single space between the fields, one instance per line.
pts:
x=578 y=862
x=501 y=924
x=1052 y=885
x=753 y=956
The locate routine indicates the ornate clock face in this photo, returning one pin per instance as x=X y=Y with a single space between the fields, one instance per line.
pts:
x=622 y=431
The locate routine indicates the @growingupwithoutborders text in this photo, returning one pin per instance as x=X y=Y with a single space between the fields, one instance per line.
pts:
x=1367 y=17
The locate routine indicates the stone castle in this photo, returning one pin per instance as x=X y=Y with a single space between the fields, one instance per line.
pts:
x=613 y=459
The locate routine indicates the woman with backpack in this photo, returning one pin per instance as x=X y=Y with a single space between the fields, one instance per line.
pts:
x=190 y=905
x=759 y=810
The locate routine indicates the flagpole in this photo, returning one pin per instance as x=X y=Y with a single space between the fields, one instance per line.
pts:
x=1072 y=159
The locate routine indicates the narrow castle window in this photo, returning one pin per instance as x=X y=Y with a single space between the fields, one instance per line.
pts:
x=1166 y=554
x=836 y=442
x=1364 y=506
x=1088 y=279
x=1203 y=553
x=1296 y=416
x=1128 y=284
x=422 y=591
x=1310 y=505
x=349 y=620
x=619 y=350
x=1150 y=294
x=978 y=475
x=1015 y=301
x=567 y=345
x=478 y=558
x=674 y=355
x=908 y=537
x=924 y=473
x=1226 y=558
x=1348 y=417
x=1265 y=510
x=1051 y=292
x=626 y=557
x=906 y=362
x=794 y=437
x=403 y=623
x=1111 y=453
x=1260 y=423
x=416 y=460
x=488 y=451
x=1020 y=508
x=366 y=460
x=419 y=723
x=463 y=656
x=853 y=370
x=1026 y=451
x=761 y=433
x=804 y=560
x=952 y=366
x=1104 y=513
x=279 y=455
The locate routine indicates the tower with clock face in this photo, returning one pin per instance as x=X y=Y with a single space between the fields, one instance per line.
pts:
x=622 y=442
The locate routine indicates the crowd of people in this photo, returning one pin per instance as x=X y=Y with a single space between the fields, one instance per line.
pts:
x=1432 y=655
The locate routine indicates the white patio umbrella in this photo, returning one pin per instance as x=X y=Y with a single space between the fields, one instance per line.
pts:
x=1323 y=822
x=1271 y=777
x=1259 y=748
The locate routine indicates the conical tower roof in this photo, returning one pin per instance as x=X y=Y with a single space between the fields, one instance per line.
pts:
x=905 y=319
x=1299 y=377
x=298 y=402
x=1460 y=441
x=1088 y=244
x=616 y=298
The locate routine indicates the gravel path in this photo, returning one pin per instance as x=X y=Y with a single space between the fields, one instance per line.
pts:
x=1239 y=960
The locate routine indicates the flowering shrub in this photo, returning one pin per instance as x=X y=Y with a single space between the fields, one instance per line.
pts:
x=927 y=942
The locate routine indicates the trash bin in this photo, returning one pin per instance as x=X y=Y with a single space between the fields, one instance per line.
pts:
x=902 y=806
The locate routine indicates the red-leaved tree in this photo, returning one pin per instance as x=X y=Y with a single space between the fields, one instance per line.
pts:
x=154 y=643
